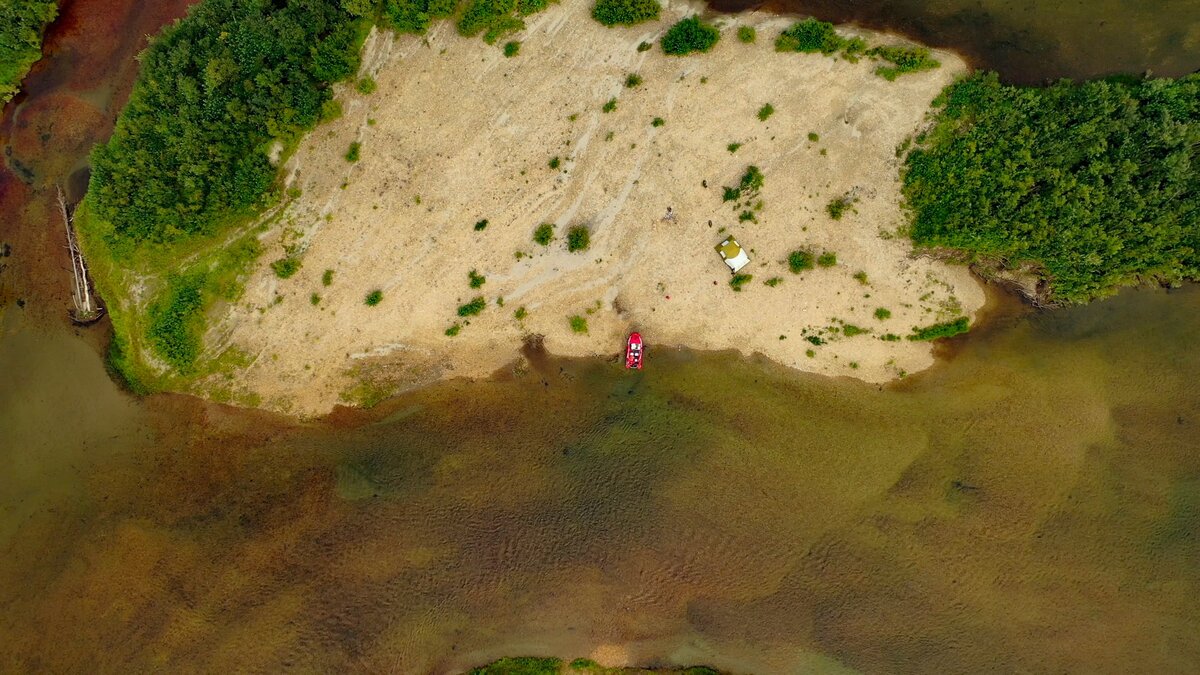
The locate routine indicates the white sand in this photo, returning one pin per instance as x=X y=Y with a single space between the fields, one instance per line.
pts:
x=471 y=132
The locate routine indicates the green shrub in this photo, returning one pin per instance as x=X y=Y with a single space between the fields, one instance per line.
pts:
x=850 y=330
x=644 y=46
x=609 y=105
x=314 y=299
x=555 y=162
x=330 y=110
x=481 y=225
x=813 y=137
x=632 y=80
x=810 y=36
x=747 y=34
x=578 y=239
x=733 y=147
x=327 y=278
x=690 y=35
x=890 y=337
x=414 y=16
x=285 y=268
x=827 y=259
x=815 y=340
x=904 y=60
x=493 y=18
x=941 y=330
x=625 y=12
x=883 y=313
x=1090 y=186
x=578 y=324
x=746 y=216
x=21 y=26
x=861 y=277
x=453 y=330
x=512 y=48
x=773 y=281
x=520 y=314
x=800 y=260
x=352 y=155
x=366 y=85
x=176 y=321
x=766 y=111
x=749 y=185
x=476 y=280
x=738 y=280
x=544 y=234
x=373 y=298
x=472 y=308
x=657 y=122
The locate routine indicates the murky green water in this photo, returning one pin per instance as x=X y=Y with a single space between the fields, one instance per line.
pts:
x=1032 y=505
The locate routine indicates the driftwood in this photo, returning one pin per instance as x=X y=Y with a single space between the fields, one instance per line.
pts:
x=86 y=308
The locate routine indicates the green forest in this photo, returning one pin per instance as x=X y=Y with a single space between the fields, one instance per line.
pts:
x=21 y=26
x=1091 y=186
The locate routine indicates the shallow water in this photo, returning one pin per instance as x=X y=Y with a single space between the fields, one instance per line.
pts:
x=1030 y=41
x=1033 y=504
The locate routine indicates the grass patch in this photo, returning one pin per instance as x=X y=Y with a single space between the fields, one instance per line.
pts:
x=813 y=137
x=733 y=147
x=354 y=153
x=773 y=281
x=811 y=36
x=373 y=298
x=747 y=188
x=555 y=162
x=481 y=225
x=765 y=112
x=903 y=60
x=366 y=85
x=827 y=259
x=738 y=280
x=838 y=207
x=520 y=314
x=942 y=330
x=476 y=280
x=578 y=324
x=314 y=299
x=850 y=330
x=625 y=12
x=453 y=330
x=327 y=278
x=882 y=313
x=690 y=35
x=609 y=105
x=578 y=239
x=472 y=308
x=746 y=34
x=657 y=122
x=632 y=80
x=861 y=277
x=286 y=268
x=800 y=260
x=511 y=49
x=544 y=234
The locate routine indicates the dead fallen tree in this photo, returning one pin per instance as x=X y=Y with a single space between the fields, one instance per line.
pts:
x=86 y=308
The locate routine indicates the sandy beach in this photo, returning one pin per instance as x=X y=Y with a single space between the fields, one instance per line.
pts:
x=456 y=133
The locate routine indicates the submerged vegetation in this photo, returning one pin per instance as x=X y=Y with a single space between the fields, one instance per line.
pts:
x=21 y=26
x=1089 y=186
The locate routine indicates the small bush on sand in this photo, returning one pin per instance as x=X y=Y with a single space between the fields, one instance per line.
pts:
x=773 y=281
x=578 y=324
x=657 y=122
x=475 y=279
x=838 y=207
x=827 y=259
x=609 y=105
x=882 y=313
x=850 y=330
x=766 y=111
x=690 y=35
x=453 y=330
x=544 y=234
x=327 y=278
x=366 y=86
x=481 y=225
x=625 y=12
x=353 y=153
x=286 y=267
x=810 y=36
x=800 y=260
x=904 y=60
x=739 y=280
x=555 y=162
x=473 y=307
x=941 y=330
x=511 y=49
x=632 y=80
x=373 y=298
x=733 y=147
x=520 y=314
x=578 y=239
x=747 y=34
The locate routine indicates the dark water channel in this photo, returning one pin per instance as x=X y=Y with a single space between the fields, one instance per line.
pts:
x=1031 y=505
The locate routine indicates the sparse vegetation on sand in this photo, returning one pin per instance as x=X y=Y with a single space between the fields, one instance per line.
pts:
x=373 y=298
x=472 y=308
x=544 y=234
x=941 y=330
x=285 y=268
x=475 y=279
x=578 y=238
x=738 y=280
x=746 y=34
x=765 y=112
x=800 y=260
x=827 y=259
x=838 y=207
x=811 y=36
x=578 y=324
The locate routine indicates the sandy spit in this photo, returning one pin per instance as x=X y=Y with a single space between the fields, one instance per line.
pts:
x=457 y=133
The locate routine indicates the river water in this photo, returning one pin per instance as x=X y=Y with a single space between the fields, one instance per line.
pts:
x=1031 y=504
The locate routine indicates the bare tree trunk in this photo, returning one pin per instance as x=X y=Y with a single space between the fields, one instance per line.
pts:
x=86 y=308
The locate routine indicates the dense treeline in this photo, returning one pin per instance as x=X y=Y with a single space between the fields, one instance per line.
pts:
x=21 y=26
x=216 y=88
x=1091 y=186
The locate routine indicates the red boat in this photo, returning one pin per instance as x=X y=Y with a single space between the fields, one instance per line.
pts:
x=633 y=351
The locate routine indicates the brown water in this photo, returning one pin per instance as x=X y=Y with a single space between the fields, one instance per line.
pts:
x=1030 y=41
x=1032 y=505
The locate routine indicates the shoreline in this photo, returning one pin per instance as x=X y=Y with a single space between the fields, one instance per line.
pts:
x=432 y=163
